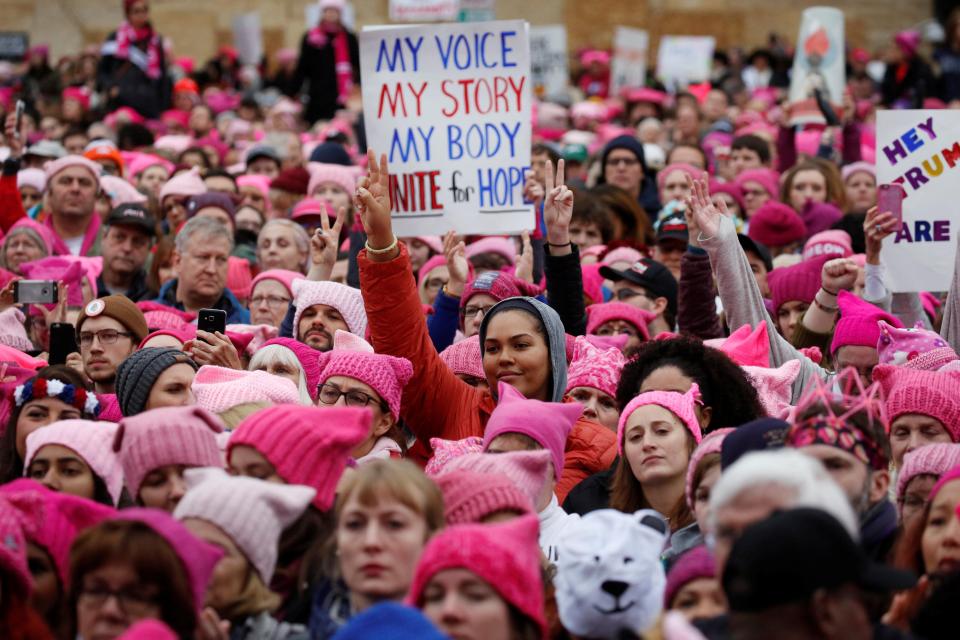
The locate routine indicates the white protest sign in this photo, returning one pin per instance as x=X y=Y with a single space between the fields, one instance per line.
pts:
x=920 y=149
x=248 y=37
x=424 y=10
x=817 y=64
x=682 y=60
x=450 y=106
x=628 y=68
x=548 y=59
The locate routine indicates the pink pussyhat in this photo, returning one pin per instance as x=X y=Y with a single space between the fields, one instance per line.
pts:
x=494 y=244
x=160 y=316
x=13 y=551
x=774 y=386
x=218 y=388
x=858 y=323
x=344 y=299
x=681 y=405
x=169 y=435
x=52 y=519
x=88 y=439
x=916 y=348
x=930 y=393
x=472 y=497
x=308 y=358
x=747 y=346
x=711 y=443
x=464 y=357
x=834 y=243
x=148 y=630
x=595 y=368
x=306 y=445
x=528 y=470
x=931 y=459
x=445 y=451
x=283 y=276
x=547 y=423
x=12 y=331
x=600 y=314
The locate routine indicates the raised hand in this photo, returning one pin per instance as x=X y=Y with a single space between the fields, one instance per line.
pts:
x=839 y=274
x=455 y=252
x=876 y=226
x=558 y=206
x=372 y=202
x=533 y=190
x=214 y=349
x=524 y=269
x=704 y=213
x=324 y=245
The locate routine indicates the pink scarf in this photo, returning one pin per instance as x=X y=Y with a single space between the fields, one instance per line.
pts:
x=127 y=36
x=319 y=38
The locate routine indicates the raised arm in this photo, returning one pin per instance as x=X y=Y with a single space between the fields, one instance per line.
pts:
x=561 y=257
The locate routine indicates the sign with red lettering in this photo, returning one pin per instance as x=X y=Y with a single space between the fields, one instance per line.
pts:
x=450 y=106
x=920 y=150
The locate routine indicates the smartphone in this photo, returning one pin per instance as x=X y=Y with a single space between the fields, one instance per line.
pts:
x=890 y=199
x=212 y=320
x=63 y=342
x=19 y=118
x=35 y=291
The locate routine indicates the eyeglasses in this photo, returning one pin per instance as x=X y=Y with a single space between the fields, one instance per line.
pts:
x=330 y=395
x=627 y=162
x=471 y=311
x=626 y=294
x=131 y=602
x=105 y=336
x=270 y=301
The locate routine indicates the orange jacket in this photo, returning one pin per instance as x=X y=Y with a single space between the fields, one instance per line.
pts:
x=437 y=404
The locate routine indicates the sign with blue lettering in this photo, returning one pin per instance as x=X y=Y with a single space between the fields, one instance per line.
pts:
x=450 y=106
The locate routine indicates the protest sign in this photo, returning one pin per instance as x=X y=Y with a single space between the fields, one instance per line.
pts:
x=450 y=106
x=920 y=149
x=248 y=37
x=682 y=60
x=548 y=59
x=628 y=68
x=424 y=10
x=817 y=64
x=13 y=45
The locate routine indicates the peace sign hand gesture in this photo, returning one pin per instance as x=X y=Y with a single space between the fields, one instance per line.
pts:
x=558 y=206
x=372 y=202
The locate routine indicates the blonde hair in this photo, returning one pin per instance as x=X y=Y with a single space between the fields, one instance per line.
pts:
x=400 y=480
x=237 y=414
x=255 y=598
x=300 y=237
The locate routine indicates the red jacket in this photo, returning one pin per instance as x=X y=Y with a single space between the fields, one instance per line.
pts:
x=437 y=404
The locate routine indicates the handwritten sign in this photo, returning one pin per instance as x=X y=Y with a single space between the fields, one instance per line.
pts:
x=548 y=59
x=682 y=60
x=450 y=106
x=920 y=149
x=423 y=10
x=628 y=68
x=817 y=64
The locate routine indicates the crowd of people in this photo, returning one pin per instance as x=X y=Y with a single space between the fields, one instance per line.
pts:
x=685 y=404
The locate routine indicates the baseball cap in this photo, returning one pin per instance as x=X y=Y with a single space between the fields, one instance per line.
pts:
x=575 y=153
x=134 y=215
x=672 y=227
x=748 y=244
x=46 y=149
x=649 y=274
x=262 y=151
x=788 y=556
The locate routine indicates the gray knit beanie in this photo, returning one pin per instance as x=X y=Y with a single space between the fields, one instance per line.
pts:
x=139 y=372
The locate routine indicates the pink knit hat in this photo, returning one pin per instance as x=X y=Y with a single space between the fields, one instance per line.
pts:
x=746 y=346
x=800 y=281
x=160 y=316
x=858 y=324
x=930 y=393
x=464 y=357
x=119 y=191
x=312 y=208
x=307 y=357
x=12 y=331
x=679 y=404
x=148 y=630
x=432 y=263
x=344 y=299
x=140 y=162
x=387 y=375
x=306 y=445
x=622 y=254
x=169 y=435
x=498 y=285
x=494 y=244
x=63 y=268
x=691 y=565
x=600 y=314
x=283 y=276
x=949 y=476
x=35 y=178
x=259 y=182
x=13 y=550
x=526 y=469
x=916 y=348
x=595 y=368
x=186 y=184
x=434 y=242
x=774 y=386
x=239 y=277
x=766 y=178
x=506 y=556
x=252 y=512
x=345 y=177
x=218 y=389
x=548 y=423
x=198 y=556
x=931 y=459
x=470 y=496
x=857 y=167
x=775 y=224
x=54 y=167
x=46 y=234
x=833 y=243
x=445 y=451
x=711 y=443
x=689 y=169
x=90 y=440
x=52 y=519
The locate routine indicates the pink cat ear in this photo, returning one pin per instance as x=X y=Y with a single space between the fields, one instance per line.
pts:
x=508 y=393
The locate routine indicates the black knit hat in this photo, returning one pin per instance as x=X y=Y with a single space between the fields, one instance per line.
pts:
x=139 y=372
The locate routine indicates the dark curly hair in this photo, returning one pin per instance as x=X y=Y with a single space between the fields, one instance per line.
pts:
x=723 y=384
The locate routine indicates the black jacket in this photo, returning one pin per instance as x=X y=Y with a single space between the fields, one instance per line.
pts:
x=135 y=89
x=317 y=66
x=137 y=292
x=592 y=493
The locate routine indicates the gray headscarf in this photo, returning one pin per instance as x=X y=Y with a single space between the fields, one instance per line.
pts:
x=556 y=338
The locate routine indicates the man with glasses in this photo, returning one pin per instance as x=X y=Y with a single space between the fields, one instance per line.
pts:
x=650 y=286
x=200 y=261
x=625 y=166
x=108 y=330
x=130 y=230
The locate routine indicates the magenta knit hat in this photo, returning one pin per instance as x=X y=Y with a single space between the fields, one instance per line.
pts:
x=526 y=469
x=306 y=356
x=775 y=224
x=819 y=217
x=252 y=512
x=464 y=357
x=345 y=177
x=52 y=519
x=499 y=285
x=283 y=276
x=387 y=375
x=470 y=496
x=833 y=243
x=493 y=244
x=445 y=451
x=506 y=556
x=766 y=178
x=12 y=330
x=711 y=443
x=306 y=445
x=747 y=346
x=595 y=368
x=929 y=393
x=344 y=299
x=916 y=348
x=679 y=404
x=198 y=556
x=218 y=388
x=689 y=169
x=90 y=440
x=931 y=459
x=949 y=476
x=548 y=423
x=858 y=323
x=600 y=314
x=800 y=281
x=13 y=550
x=691 y=565
x=160 y=316
x=432 y=263
x=168 y=435
x=148 y=630
x=186 y=184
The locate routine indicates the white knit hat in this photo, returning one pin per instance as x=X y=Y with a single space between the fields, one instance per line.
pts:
x=344 y=299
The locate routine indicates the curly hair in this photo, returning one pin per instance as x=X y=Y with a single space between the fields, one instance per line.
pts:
x=723 y=384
